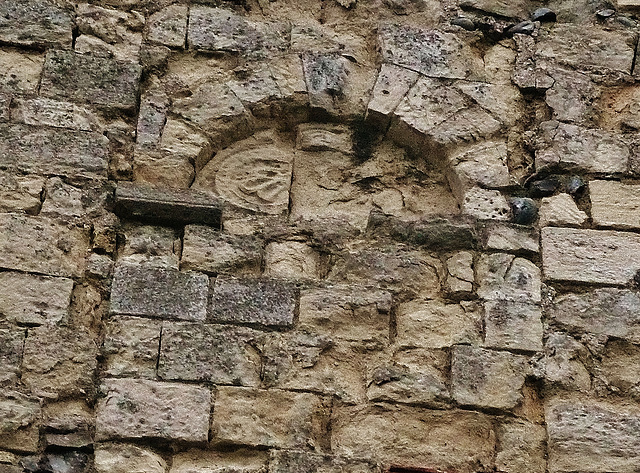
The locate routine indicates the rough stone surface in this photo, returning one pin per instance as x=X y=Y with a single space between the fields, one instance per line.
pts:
x=159 y=292
x=506 y=277
x=507 y=237
x=513 y=325
x=11 y=344
x=292 y=259
x=268 y=418
x=213 y=353
x=202 y=461
x=20 y=71
x=614 y=204
x=253 y=301
x=287 y=461
x=34 y=300
x=48 y=112
x=561 y=210
x=117 y=458
x=53 y=248
x=522 y=447
x=485 y=204
x=168 y=26
x=487 y=378
x=402 y=434
x=35 y=23
x=586 y=434
x=460 y=273
x=131 y=347
x=19 y=421
x=592 y=256
x=135 y=408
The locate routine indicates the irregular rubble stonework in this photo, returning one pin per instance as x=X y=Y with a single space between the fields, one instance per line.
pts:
x=319 y=236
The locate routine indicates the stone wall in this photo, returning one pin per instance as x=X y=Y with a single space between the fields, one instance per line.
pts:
x=319 y=236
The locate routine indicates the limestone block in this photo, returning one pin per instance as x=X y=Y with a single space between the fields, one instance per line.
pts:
x=292 y=259
x=509 y=237
x=203 y=461
x=485 y=204
x=213 y=353
x=501 y=276
x=591 y=435
x=563 y=363
x=159 y=292
x=20 y=71
x=52 y=248
x=168 y=26
x=217 y=29
x=183 y=141
x=347 y=313
x=121 y=458
x=72 y=202
x=34 y=300
x=394 y=267
x=436 y=324
x=400 y=434
x=460 y=273
x=90 y=79
x=11 y=343
x=68 y=424
x=271 y=418
x=253 y=301
x=137 y=408
x=486 y=378
x=614 y=204
x=48 y=112
x=150 y=246
x=429 y=52
x=255 y=88
x=212 y=251
x=605 y=311
x=254 y=174
x=592 y=256
x=621 y=367
x=513 y=325
x=521 y=447
x=483 y=164
x=571 y=96
x=411 y=376
x=503 y=101
x=44 y=150
x=392 y=84
x=130 y=347
x=162 y=205
x=306 y=361
x=19 y=421
x=291 y=461
x=560 y=210
x=161 y=169
x=37 y=23
x=59 y=361
x=324 y=137
x=508 y=8
x=628 y=4
x=5 y=104
x=152 y=116
x=572 y=147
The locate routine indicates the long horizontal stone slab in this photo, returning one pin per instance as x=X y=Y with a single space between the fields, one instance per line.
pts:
x=42 y=245
x=137 y=408
x=35 y=23
x=170 y=206
x=590 y=256
x=53 y=151
x=159 y=292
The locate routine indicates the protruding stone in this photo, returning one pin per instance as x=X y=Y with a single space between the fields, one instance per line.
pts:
x=591 y=256
x=513 y=325
x=52 y=248
x=498 y=7
x=486 y=378
x=136 y=408
x=209 y=250
x=544 y=187
x=561 y=210
x=90 y=79
x=524 y=27
x=34 y=300
x=463 y=22
x=400 y=434
x=253 y=301
x=163 y=205
x=36 y=23
x=392 y=85
x=509 y=237
x=543 y=15
x=615 y=204
x=273 y=418
x=212 y=353
x=591 y=435
x=120 y=458
x=159 y=292
x=436 y=324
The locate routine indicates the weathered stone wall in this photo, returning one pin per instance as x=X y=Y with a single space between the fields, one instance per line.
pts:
x=319 y=236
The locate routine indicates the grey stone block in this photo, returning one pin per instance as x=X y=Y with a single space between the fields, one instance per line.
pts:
x=35 y=23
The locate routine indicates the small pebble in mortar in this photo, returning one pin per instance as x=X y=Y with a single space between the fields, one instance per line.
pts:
x=523 y=210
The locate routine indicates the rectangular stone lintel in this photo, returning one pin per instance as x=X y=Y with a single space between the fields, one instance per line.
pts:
x=169 y=206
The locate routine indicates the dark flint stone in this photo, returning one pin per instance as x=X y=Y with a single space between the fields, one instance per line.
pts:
x=167 y=206
x=575 y=185
x=543 y=14
x=544 y=187
x=523 y=210
x=524 y=27
x=465 y=23
x=606 y=13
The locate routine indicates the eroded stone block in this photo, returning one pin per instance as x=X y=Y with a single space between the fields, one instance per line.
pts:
x=131 y=347
x=522 y=447
x=287 y=461
x=48 y=112
x=35 y=23
x=253 y=301
x=509 y=237
x=501 y=276
x=272 y=418
x=591 y=256
x=136 y=408
x=513 y=325
x=168 y=26
x=19 y=421
x=614 y=204
x=11 y=343
x=561 y=210
x=508 y=8
x=392 y=84
x=20 y=71
x=120 y=458
x=203 y=461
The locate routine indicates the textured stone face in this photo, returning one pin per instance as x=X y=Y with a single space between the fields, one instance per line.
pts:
x=19 y=421
x=131 y=347
x=127 y=458
x=135 y=408
x=513 y=325
x=614 y=204
x=11 y=343
x=35 y=23
x=283 y=461
x=159 y=292
x=253 y=301
x=202 y=461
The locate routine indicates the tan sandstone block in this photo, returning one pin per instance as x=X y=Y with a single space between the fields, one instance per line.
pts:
x=120 y=458
x=202 y=461
x=614 y=204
